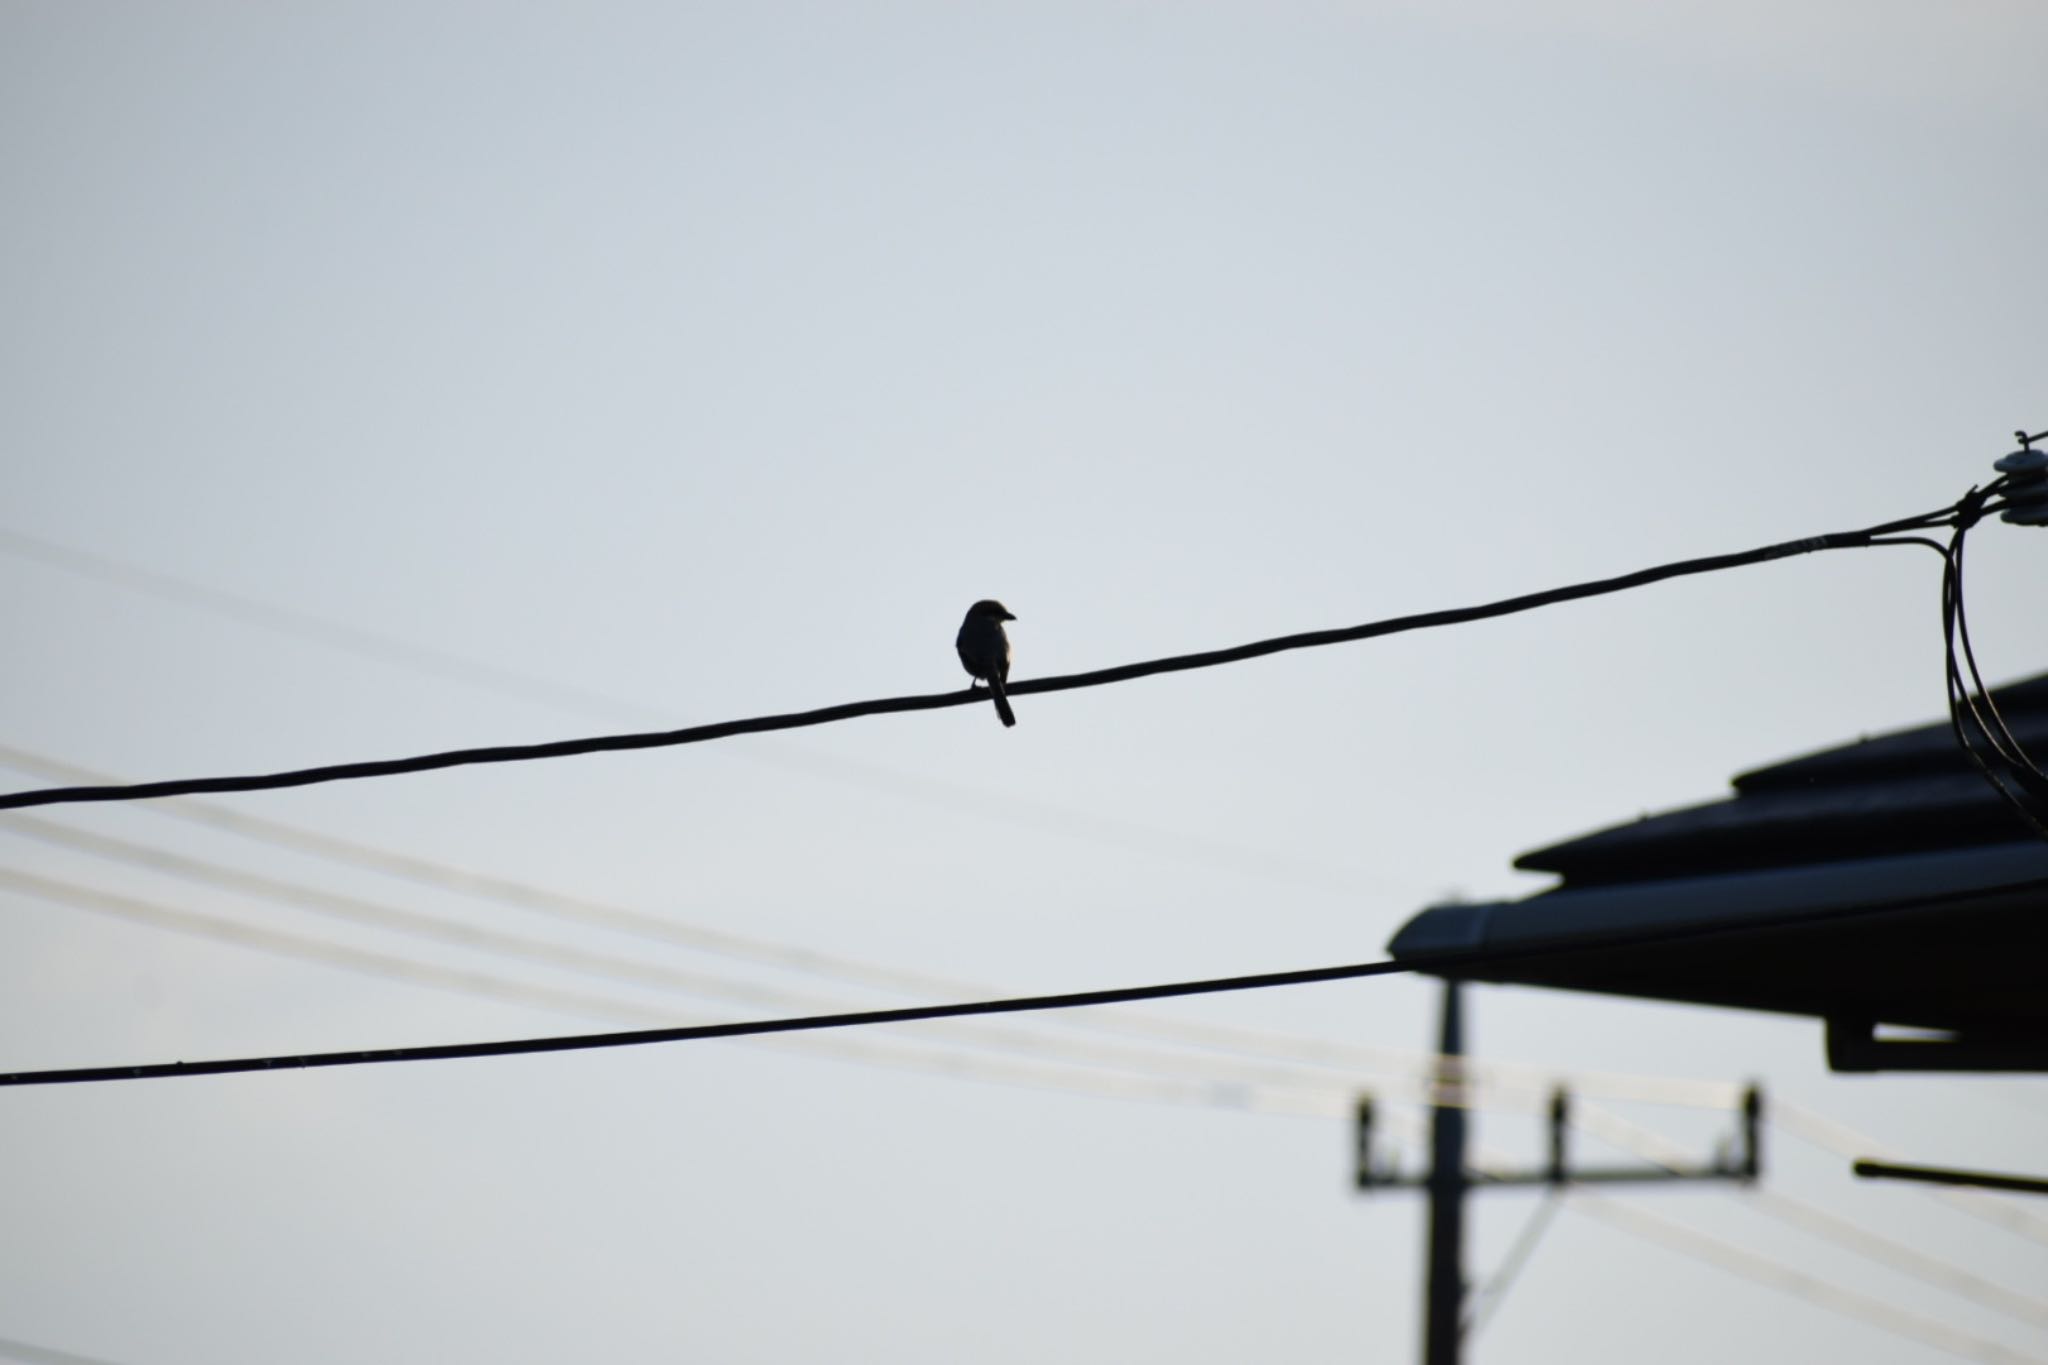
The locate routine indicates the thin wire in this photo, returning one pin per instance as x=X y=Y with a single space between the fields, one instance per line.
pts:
x=1942 y=1274
x=44 y=1355
x=1962 y=698
x=1783 y=1115
x=896 y=705
x=1252 y=1092
x=1936 y=1175
x=953 y=797
x=1908 y=1260
x=1329 y=1095
x=1291 y=1078
x=2002 y=740
x=1228 y=1084
x=1244 y=1094
x=1966 y=694
x=1798 y=1283
x=1346 y=1057
x=1956 y=619
x=1811 y=1289
x=2011 y=750
x=637 y=971
x=1487 y=1300
x=1456 y=962
x=342 y=956
x=1832 y=1135
x=505 y=890
x=503 y=990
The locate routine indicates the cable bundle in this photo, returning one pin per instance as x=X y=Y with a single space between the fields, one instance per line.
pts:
x=2020 y=493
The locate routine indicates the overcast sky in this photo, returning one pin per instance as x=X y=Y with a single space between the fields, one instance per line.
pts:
x=377 y=379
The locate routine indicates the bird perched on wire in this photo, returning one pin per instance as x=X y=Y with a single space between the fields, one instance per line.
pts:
x=985 y=650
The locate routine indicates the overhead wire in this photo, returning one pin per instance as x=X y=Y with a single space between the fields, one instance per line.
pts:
x=1439 y=962
x=343 y=956
x=1798 y=1283
x=511 y=682
x=2000 y=741
x=30 y=1354
x=1349 y=1058
x=1780 y=1115
x=2009 y=752
x=1257 y=1083
x=1321 y=1094
x=1832 y=1136
x=504 y=990
x=1255 y=1088
x=1626 y=1136
x=1596 y=1122
x=1486 y=1300
x=1606 y=1126
x=1863 y=539
x=1818 y=1222
x=1283 y=1068
x=1707 y=1249
x=1974 y=717
x=1686 y=1240
x=955 y=798
x=642 y=972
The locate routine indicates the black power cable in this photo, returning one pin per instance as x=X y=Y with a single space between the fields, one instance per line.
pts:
x=1891 y=533
x=1455 y=962
x=1979 y=727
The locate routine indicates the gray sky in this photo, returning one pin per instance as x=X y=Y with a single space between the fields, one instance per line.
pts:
x=697 y=362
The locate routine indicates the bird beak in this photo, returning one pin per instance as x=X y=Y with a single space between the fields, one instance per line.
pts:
x=1009 y=616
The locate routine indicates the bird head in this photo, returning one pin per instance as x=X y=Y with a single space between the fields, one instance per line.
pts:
x=992 y=609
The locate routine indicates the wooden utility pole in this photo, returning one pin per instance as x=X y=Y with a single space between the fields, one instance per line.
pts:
x=1444 y=1295
x=1450 y=1179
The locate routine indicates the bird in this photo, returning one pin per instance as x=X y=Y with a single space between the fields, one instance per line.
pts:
x=985 y=650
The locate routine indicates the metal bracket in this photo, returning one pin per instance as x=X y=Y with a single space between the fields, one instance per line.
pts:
x=1745 y=1163
x=1853 y=1045
x=1936 y=1175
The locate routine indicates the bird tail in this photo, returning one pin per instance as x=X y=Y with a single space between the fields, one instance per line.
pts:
x=995 y=687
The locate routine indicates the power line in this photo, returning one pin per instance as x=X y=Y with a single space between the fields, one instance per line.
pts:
x=43 y=1355
x=1807 y=1287
x=1239 y=1097
x=584 y=911
x=1447 y=962
x=1798 y=1283
x=2007 y=767
x=307 y=626
x=954 y=797
x=1818 y=1222
x=1290 y=1095
x=1254 y=1085
x=634 y=971
x=1487 y=1298
x=1939 y=1272
x=505 y=890
x=342 y=956
x=1225 y=1085
x=1876 y=535
x=1253 y=1092
x=1944 y=1175
x=1831 y=1135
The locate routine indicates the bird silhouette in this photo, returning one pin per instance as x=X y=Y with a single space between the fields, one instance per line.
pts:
x=985 y=650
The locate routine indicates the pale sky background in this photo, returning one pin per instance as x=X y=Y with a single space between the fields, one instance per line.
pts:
x=706 y=361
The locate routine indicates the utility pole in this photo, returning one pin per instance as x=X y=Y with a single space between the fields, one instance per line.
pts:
x=1450 y=1179
x=1444 y=1296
